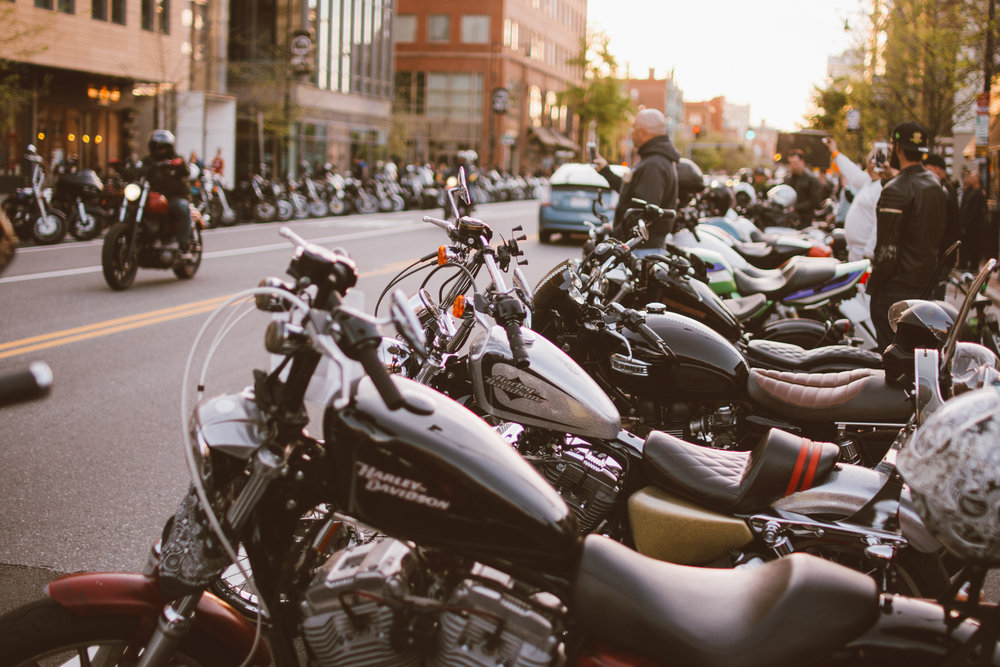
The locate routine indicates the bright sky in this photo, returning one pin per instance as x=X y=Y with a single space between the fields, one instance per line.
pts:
x=765 y=53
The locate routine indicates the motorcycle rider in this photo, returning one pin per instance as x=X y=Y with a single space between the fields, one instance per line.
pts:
x=168 y=174
x=808 y=189
x=910 y=218
x=654 y=180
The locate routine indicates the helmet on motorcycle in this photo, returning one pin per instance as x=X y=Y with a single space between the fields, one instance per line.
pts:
x=744 y=195
x=782 y=195
x=918 y=324
x=718 y=199
x=690 y=180
x=952 y=466
x=161 y=144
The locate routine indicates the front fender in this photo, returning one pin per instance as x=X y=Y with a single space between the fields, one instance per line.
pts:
x=137 y=595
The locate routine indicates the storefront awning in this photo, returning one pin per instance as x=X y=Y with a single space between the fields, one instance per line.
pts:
x=551 y=138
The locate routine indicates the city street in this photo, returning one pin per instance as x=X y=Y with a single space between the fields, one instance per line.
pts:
x=91 y=474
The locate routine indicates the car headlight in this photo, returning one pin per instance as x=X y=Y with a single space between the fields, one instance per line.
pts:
x=132 y=191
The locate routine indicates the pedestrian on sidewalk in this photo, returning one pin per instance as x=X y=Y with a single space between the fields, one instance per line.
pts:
x=910 y=220
x=953 y=226
x=972 y=217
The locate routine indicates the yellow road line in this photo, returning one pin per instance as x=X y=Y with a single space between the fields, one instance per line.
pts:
x=86 y=332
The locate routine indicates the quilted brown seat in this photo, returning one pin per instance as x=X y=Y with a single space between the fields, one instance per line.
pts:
x=860 y=395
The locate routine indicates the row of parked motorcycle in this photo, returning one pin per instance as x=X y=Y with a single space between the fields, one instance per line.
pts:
x=80 y=203
x=475 y=499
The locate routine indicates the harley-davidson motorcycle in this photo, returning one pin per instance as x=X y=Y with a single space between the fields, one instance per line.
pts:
x=143 y=237
x=477 y=560
x=30 y=209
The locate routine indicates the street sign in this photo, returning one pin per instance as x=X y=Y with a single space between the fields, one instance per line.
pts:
x=508 y=139
x=853 y=120
x=983 y=119
x=299 y=48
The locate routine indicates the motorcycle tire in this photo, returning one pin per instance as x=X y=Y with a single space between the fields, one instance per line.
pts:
x=337 y=206
x=398 y=203
x=118 y=265
x=264 y=212
x=385 y=204
x=94 y=221
x=50 y=228
x=45 y=632
x=318 y=209
x=366 y=205
x=285 y=210
x=913 y=574
x=212 y=214
x=186 y=270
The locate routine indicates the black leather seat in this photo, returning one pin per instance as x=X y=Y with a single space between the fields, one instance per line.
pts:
x=793 y=610
x=860 y=395
x=738 y=482
x=788 y=357
x=796 y=274
x=744 y=307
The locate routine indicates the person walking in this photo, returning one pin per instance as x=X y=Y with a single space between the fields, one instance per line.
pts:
x=910 y=223
x=972 y=221
x=653 y=180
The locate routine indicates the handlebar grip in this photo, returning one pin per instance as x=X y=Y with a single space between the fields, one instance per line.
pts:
x=517 y=348
x=381 y=378
x=651 y=336
x=25 y=385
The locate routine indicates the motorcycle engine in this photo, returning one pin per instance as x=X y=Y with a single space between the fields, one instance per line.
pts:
x=717 y=428
x=365 y=607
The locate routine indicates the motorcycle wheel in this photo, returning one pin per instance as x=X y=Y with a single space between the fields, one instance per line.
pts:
x=119 y=267
x=366 y=204
x=187 y=269
x=385 y=204
x=50 y=228
x=265 y=211
x=913 y=574
x=398 y=203
x=318 y=209
x=46 y=633
x=337 y=206
x=211 y=213
x=285 y=210
x=94 y=220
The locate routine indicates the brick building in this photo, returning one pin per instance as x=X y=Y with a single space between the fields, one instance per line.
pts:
x=483 y=74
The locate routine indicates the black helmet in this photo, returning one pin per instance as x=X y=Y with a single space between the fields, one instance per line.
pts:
x=161 y=144
x=918 y=324
x=718 y=199
x=689 y=180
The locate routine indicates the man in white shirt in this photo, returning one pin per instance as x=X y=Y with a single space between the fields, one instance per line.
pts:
x=859 y=225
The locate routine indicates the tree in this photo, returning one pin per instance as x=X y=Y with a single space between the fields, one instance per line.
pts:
x=601 y=98
x=19 y=42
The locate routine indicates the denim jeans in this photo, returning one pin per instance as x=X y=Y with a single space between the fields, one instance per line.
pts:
x=180 y=212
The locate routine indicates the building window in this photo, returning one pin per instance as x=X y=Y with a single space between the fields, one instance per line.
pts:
x=411 y=93
x=156 y=16
x=406 y=28
x=99 y=10
x=476 y=29
x=455 y=95
x=44 y=4
x=439 y=28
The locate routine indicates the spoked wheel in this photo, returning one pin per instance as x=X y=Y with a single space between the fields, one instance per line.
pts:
x=118 y=264
x=911 y=573
x=366 y=204
x=265 y=211
x=319 y=209
x=398 y=203
x=188 y=267
x=90 y=225
x=44 y=633
x=337 y=206
x=49 y=228
x=285 y=210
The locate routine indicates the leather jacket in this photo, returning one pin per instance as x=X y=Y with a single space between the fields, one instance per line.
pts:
x=911 y=218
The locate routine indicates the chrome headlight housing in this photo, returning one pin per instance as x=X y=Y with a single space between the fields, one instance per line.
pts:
x=132 y=192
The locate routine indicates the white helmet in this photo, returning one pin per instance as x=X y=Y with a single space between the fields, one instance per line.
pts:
x=952 y=466
x=744 y=194
x=782 y=195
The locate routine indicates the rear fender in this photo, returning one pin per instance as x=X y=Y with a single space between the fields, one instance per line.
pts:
x=137 y=595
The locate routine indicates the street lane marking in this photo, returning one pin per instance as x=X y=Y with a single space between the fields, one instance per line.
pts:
x=89 y=331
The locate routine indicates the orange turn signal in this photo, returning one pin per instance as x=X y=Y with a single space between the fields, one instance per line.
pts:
x=442 y=255
x=820 y=251
x=458 y=306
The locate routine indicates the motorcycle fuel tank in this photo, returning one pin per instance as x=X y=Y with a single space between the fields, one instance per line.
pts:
x=439 y=475
x=553 y=392
x=695 y=299
x=707 y=366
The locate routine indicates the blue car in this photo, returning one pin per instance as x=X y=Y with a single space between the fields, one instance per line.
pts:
x=573 y=190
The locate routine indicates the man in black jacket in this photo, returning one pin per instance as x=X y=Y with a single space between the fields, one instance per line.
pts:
x=168 y=174
x=808 y=189
x=654 y=180
x=972 y=221
x=910 y=218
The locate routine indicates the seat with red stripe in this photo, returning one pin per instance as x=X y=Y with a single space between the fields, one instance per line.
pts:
x=738 y=482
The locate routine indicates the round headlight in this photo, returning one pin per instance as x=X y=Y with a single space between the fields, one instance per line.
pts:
x=132 y=191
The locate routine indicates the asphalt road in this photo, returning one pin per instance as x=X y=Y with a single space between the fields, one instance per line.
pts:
x=90 y=474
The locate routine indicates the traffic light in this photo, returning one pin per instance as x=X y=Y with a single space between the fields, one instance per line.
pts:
x=750 y=135
x=697 y=131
